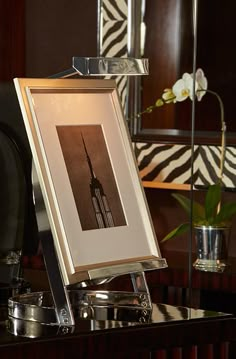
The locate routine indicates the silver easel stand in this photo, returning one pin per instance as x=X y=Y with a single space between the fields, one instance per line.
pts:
x=139 y=300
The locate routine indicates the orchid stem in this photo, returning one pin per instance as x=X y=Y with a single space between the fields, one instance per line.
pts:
x=223 y=130
x=223 y=138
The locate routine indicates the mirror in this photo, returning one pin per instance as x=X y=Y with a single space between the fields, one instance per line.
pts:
x=163 y=32
x=169 y=47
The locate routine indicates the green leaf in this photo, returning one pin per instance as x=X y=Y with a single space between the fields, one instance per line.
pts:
x=183 y=201
x=212 y=201
x=227 y=211
x=182 y=228
x=198 y=209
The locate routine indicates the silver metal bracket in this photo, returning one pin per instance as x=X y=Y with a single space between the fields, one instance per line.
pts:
x=103 y=66
x=61 y=299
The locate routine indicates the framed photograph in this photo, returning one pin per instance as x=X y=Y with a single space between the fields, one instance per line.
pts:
x=87 y=173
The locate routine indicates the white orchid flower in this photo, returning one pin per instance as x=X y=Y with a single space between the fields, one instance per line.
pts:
x=180 y=91
x=202 y=84
x=183 y=88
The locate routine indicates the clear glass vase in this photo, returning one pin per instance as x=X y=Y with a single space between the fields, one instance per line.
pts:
x=212 y=248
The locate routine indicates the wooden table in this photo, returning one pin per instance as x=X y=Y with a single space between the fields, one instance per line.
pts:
x=179 y=331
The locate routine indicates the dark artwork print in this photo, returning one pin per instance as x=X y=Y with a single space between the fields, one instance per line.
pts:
x=91 y=176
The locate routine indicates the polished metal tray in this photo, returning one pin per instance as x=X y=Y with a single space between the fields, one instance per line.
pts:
x=33 y=314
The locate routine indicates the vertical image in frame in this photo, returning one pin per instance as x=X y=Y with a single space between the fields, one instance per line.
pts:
x=91 y=176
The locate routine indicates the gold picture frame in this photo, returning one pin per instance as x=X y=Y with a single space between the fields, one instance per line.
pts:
x=88 y=175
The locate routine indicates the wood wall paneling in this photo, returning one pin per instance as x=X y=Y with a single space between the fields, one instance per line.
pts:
x=57 y=30
x=12 y=39
x=39 y=38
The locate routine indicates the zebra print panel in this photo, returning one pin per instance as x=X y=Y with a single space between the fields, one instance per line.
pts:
x=114 y=36
x=172 y=164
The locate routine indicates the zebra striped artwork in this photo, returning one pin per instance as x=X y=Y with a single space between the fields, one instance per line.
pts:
x=113 y=37
x=171 y=163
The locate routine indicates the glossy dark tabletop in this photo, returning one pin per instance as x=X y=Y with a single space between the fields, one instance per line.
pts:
x=160 y=315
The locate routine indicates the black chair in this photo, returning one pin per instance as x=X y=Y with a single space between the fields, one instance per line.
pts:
x=18 y=228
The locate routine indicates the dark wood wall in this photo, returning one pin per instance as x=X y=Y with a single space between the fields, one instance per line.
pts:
x=163 y=36
x=39 y=38
x=169 y=46
x=56 y=30
x=12 y=39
